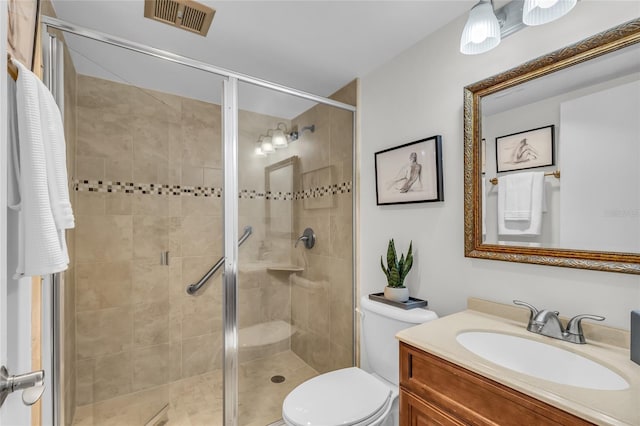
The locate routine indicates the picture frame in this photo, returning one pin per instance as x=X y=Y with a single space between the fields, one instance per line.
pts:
x=526 y=150
x=410 y=173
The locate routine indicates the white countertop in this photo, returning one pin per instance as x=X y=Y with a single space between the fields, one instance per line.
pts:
x=605 y=407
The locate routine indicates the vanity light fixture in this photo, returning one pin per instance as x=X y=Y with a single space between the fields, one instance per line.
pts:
x=279 y=137
x=267 y=145
x=485 y=28
x=258 y=151
x=538 y=12
x=482 y=31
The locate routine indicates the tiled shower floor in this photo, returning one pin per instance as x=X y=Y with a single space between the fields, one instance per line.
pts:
x=197 y=401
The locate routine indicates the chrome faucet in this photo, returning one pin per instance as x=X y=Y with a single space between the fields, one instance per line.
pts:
x=548 y=324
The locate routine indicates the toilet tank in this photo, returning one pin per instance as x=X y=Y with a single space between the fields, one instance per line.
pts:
x=380 y=323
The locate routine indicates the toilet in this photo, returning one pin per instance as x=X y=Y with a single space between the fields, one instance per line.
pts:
x=352 y=396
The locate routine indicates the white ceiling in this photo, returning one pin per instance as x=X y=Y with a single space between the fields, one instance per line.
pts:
x=315 y=46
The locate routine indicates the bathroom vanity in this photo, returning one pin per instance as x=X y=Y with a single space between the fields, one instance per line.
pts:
x=443 y=383
x=435 y=391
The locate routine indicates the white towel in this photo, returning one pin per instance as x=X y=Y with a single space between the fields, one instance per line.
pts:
x=533 y=226
x=56 y=156
x=517 y=197
x=42 y=248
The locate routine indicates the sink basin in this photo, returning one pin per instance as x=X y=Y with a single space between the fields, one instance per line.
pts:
x=541 y=360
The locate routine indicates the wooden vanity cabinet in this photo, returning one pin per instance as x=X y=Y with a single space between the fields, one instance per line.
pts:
x=436 y=392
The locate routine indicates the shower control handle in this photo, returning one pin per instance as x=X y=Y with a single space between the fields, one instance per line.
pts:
x=308 y=237
x=32 y=385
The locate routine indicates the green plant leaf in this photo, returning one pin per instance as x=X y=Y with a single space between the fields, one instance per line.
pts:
x=394 y=277
x=409 y=261
x=391 y=255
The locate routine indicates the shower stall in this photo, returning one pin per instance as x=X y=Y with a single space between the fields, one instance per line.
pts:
x=187 y=300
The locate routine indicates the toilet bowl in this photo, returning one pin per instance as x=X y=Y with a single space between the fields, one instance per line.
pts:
x=353 y=396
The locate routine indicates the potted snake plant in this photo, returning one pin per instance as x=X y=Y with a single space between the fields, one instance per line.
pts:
x=396 y=271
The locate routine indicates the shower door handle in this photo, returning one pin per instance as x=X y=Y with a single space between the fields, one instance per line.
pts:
x=32 y=385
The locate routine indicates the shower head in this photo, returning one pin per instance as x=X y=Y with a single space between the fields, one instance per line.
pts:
x=294 y=135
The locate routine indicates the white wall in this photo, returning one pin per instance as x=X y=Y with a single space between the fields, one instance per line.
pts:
x=606 y=202
x=420 y=94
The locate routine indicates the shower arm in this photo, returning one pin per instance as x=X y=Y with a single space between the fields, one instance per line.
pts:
x=192 y=289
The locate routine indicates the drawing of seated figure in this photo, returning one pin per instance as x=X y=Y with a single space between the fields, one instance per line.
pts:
x=408 y=175
x=524 y=152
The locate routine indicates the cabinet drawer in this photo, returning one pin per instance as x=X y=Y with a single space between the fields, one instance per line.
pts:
x=416 y=412
x=471 y=397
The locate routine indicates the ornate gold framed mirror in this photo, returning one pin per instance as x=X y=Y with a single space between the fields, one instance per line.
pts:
x=590 y=213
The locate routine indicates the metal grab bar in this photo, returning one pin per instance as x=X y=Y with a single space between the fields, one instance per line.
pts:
x=195 y=287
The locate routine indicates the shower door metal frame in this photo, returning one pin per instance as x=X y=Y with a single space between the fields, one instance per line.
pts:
x=230 y=191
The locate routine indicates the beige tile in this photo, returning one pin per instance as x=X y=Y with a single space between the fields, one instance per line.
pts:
x=84 y=381
x=175 y=237
x=201 y=206
x=213 y=178
x=201 y=235
x=150 y=236
x=276 y=301
x=103 y=135
x=201 y=316
x=145 y=170
x=192 y=176
x=89 y=203
x=103 y=238
x=177 y=286
x=341 y=237
x=102 y=94
x=102 y=332
x=151 y=366
x=150 y=282
x=151 y=324
x=341 y=356
x=89 y=168
x=103 y=285
x=119 y=169
x=201 y=354
x=175 y=361
x=112 y=375
x=151 y=139
x=347 y=94
x=118 y=203
x=150 y=204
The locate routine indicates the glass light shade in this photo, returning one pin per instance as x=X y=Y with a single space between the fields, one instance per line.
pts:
x=267 y=146
x=538 y=12
x=482 y=31
x=258 y=150
x=279 y=139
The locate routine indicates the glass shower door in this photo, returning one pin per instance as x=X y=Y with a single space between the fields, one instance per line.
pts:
x=147 y=172
x=295 y=304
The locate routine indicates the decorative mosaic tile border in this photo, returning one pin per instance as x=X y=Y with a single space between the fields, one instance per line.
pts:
x=202 y=191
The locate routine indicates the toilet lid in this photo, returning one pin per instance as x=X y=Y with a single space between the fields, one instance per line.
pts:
x=343 y=397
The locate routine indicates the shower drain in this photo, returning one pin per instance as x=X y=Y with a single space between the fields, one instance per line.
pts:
x=277 y=379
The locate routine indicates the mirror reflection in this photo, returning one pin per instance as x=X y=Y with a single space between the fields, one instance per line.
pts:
x=551 y=149
x=561 y=158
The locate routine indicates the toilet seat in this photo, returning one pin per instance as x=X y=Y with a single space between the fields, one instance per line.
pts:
x=347 y=397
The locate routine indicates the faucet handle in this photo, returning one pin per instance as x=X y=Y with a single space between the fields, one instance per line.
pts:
x=574 y=326
x=533 y=309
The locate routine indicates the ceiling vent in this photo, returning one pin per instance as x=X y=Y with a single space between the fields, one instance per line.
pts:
x=185 y=14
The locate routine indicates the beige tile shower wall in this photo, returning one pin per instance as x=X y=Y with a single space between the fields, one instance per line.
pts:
x=322 y=301
x=136 y=328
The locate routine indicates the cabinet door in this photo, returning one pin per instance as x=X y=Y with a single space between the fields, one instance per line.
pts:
x=417 y=412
